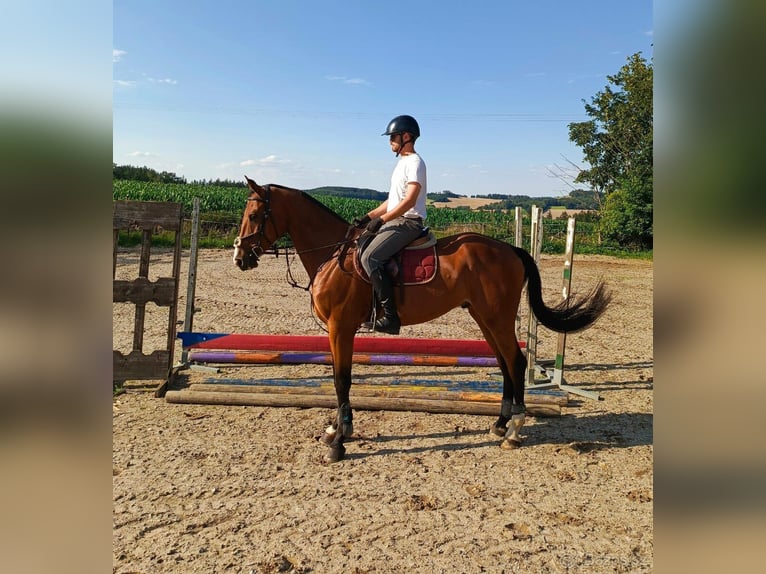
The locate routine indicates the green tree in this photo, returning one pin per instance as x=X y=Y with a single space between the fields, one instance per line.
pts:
x=617 y=144
x=626 y=218
x=144 y=174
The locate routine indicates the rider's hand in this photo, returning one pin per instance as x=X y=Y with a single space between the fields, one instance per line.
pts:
x=362 y=222
x=374 y=225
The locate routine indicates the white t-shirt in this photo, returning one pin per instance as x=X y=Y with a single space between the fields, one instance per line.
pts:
x=409 y=168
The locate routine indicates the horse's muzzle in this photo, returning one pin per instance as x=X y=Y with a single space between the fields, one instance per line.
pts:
x=244 y=259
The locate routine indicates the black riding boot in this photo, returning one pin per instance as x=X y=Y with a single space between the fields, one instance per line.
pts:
x=384 y=292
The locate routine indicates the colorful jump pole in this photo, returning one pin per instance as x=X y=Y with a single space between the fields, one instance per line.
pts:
x=321 y=344
x=290 y=358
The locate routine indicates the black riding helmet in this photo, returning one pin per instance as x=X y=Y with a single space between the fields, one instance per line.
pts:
x=402 y=124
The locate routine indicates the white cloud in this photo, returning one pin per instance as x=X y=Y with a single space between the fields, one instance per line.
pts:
x=168 y=81
x=142 y=154
x=117 y=55
x=133 y=83
x=268 y=160
x=349 y=81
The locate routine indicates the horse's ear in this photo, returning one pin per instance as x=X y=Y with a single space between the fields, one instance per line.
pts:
x=252 y=185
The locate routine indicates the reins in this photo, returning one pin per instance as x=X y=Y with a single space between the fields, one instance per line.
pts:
x=291 y=280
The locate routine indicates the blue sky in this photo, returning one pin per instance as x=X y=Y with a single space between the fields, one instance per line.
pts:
x=298 y=92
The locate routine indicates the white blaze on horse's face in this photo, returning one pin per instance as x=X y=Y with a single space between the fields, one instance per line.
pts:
x=236 y=250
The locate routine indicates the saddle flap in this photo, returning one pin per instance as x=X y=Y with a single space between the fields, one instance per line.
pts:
x=417 y=266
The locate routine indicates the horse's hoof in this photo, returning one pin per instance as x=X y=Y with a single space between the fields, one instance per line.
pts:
x=335 y=454
x=328 y=436
x=499 y=431
x=510 y=444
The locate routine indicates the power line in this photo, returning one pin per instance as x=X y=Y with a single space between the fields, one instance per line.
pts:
x=312 y=114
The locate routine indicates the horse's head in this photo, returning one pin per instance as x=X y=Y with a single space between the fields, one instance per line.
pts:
x=255 y=237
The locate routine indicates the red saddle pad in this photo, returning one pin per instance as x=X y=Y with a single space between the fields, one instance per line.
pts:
x=409 y=266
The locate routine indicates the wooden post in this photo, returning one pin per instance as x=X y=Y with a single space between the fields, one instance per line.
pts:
x=191 y=282
x=518 y=240
x=535 y=243
x=558 y=365
x=518 y=230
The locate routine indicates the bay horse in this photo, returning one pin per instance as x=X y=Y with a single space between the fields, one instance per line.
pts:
x=475 y=272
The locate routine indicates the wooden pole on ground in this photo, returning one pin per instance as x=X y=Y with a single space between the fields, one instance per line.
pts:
x=360 y=403
x=391 y=392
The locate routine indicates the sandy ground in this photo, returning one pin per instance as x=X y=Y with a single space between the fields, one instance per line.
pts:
x=243 y=489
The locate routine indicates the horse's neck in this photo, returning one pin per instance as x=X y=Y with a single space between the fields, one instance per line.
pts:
x=316 y=233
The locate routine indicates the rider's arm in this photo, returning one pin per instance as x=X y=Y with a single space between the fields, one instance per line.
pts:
x=378 y=211
x=413 y=189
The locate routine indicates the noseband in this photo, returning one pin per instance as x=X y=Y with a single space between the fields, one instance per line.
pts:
x=256 y=250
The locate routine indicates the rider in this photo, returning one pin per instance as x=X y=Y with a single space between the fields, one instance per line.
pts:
x=397 y=221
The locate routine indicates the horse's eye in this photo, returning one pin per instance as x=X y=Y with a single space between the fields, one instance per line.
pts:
x=252 y=216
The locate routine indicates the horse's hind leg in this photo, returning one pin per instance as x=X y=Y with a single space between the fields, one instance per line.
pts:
x=513 y=400
x=515 y=407
x=513 y=365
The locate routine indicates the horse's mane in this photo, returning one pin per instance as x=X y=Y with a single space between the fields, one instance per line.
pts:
x=314 y=201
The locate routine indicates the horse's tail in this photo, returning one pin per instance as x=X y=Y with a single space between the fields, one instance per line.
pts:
x=569 y=315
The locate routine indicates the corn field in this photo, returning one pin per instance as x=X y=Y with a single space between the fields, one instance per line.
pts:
x=221 y=209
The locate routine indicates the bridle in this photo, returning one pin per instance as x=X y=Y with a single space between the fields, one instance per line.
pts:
x=257 y=250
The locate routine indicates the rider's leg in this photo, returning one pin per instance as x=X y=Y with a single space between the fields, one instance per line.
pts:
x=392 y=238
x=384 y=292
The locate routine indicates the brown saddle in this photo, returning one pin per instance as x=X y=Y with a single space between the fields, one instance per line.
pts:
x=414 y=265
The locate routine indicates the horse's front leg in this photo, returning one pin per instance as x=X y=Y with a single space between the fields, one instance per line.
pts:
x=342 y=348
